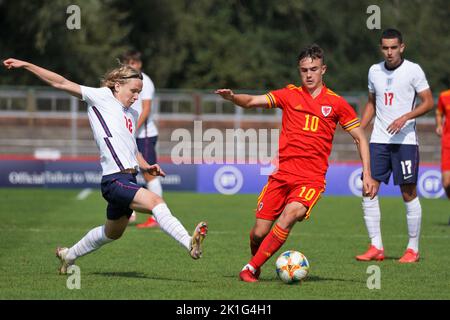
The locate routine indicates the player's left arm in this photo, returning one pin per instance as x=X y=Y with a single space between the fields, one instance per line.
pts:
x=425 y=105
x=369 y=184
x=153 y=169
x=439 y=117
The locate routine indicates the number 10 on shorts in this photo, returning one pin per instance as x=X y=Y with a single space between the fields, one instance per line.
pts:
x=308 y=195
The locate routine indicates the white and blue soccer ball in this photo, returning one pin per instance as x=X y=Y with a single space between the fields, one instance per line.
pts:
x=292 y=266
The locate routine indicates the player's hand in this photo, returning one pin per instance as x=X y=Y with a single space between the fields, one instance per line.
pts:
x=370 y=186
x=397 y=125
x=155 y=170
x=14 y=63
x=439 y=131
x=227 y=94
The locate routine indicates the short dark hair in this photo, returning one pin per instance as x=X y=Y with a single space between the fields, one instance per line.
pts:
x=130 y=55
x=391 y=34
x=312 y=51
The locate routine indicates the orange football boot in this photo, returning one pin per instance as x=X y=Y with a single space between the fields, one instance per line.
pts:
x=247 y=276
x=150 y=223
x=409 y=256
x=372 y=254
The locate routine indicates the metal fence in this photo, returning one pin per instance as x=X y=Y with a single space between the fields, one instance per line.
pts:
x=26 y=108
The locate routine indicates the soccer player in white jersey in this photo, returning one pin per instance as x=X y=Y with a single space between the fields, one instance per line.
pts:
x=113 y=123
x=393 y=86
x=146 y=133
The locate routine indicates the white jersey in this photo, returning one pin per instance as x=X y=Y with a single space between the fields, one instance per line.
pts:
x=148 y=129
x=395 y=94
x=113 y=126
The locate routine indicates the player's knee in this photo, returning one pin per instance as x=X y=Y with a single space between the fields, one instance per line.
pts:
x=114 y=235
x=154 y=200
x=295 y=213
x=258 y=234
x=409 y=192
x=157 y=199
x=446 y=182
x=447 y=191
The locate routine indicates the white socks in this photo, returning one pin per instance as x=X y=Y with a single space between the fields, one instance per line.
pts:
x=249 y=267
x=414 y=218
x=171 y=225
x=154 y=186
x=93 y=240
x=372 y=217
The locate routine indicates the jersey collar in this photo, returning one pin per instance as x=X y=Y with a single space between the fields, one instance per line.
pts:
x=392 y=69
x=322 y=91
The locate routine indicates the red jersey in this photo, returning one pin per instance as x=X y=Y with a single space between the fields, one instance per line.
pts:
x=308 y=127
x=444 y=108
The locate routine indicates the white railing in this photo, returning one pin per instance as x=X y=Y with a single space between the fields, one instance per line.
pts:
x=169 y=105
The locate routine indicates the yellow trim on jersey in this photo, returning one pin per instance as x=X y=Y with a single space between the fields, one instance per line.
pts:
x=271 y=100
x=261 y=195
x=332 y=93
x=349 y=122
x=314 y=203
x=353 y=127
x=291 y=87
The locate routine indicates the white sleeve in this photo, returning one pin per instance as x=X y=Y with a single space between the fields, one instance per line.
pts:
x=148 y=89
x=92 y=96
x=419 y=81
x=370 y=82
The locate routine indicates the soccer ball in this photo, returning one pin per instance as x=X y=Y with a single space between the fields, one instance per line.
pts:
x=292 y=266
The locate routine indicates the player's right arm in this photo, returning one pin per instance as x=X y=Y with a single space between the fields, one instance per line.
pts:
x=370 y=186
x=55 y=80
x=244 y=100
x=152 y=169
x=369 y=111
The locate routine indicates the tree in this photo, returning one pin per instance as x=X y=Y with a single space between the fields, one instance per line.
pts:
x=37 y=31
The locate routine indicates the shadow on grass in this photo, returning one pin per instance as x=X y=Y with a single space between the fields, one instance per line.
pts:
x=391 y=258
x=140 y=275
x=308 y=279
x=443 y=224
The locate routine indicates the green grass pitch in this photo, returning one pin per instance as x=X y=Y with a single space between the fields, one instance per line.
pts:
x=147 y=264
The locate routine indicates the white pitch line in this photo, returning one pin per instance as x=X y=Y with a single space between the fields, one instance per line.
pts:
x=84 y=194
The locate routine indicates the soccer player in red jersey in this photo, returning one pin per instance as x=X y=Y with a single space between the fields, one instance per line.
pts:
x=310 y=115
x=443 y=130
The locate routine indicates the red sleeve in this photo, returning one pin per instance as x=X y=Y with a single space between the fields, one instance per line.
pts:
x=277 y=98
x=347 y=117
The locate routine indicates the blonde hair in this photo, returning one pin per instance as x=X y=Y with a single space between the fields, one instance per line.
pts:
x=120 y=75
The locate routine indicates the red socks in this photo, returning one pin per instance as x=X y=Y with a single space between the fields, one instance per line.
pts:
x=271 y=243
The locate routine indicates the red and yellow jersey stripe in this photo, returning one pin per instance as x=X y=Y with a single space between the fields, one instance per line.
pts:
x=271 y=101
x=352 y=124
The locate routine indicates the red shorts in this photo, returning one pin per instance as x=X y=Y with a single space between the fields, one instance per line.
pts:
x=276 y=194
x=445 y=158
